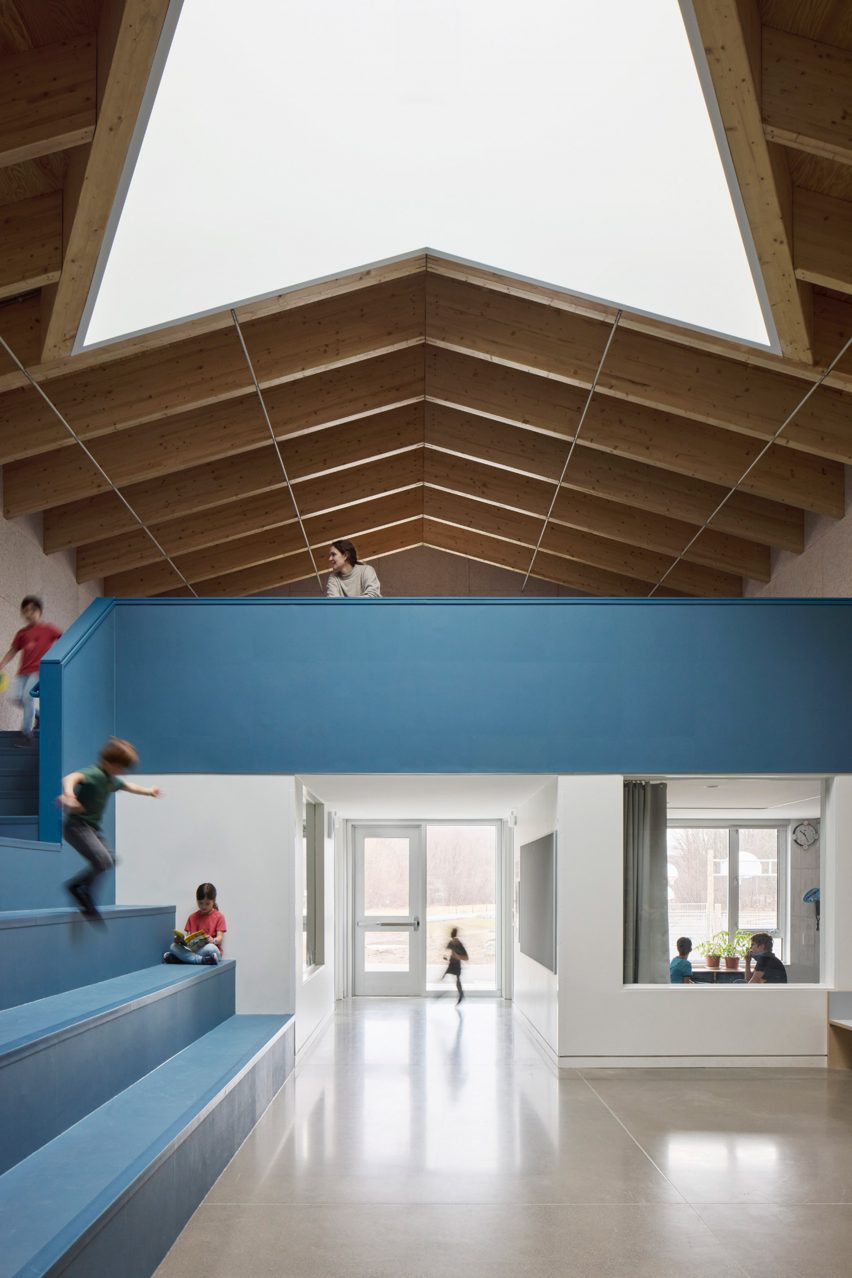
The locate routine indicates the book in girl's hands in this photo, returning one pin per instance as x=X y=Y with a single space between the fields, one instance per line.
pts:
x=191 y=940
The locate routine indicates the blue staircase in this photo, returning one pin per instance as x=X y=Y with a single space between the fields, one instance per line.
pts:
x=126 y=1085
x=18 y=788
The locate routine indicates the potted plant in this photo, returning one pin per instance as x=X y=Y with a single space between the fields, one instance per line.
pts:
x=712 y=951
x=733 y=946
x=730 y=952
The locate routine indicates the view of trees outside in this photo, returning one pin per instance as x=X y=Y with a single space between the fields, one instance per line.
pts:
x=698 y=867
x=759 y=879
x=698 y=883
x=461 y=886
x=386 y=876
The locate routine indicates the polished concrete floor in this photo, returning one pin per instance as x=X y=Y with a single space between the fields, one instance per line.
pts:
x=416 y=1140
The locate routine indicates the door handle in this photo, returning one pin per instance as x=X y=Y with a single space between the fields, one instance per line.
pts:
x=414 y=924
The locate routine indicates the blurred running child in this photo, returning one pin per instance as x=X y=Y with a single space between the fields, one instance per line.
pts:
x=84 y=796
x=208 y=918
x=32 y=642
x=457 y=954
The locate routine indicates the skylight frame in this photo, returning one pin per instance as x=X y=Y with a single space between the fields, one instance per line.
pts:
x=772 y=345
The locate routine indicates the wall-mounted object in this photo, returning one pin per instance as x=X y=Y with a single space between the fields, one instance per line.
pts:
x=537 y=923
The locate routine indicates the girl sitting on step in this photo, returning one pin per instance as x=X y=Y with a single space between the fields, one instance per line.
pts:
x=208 y=918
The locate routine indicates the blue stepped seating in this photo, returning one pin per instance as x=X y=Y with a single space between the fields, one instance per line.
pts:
x=31 y=873
x=44 y=952
x=126 y=1085
x=110 y=1194
x=18 y=827
x=18 y=789
x=63 y=1056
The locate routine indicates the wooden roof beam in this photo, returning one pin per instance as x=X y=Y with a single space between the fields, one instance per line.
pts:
x=226 y=430
x=613 y=426
x=128 y=33
x=807 y=88
x=577 y=544
x=297 y=567
x=30 y=243
x=823 y=240
x=615 y=478
x=639 y=368
x=323 y=338
x=263 y=511
x=47 y=100
x=278 y=304
x=271 y=543
x=382 y=395
x=232 y=478
x=731 y=35
x=591 y=513
x=548 y=567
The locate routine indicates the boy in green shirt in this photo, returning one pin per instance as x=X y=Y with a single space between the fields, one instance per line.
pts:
x=84 y=796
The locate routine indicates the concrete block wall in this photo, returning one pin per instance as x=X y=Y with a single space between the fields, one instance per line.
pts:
x=804 y=937
x=26 y=570
x=824 y=569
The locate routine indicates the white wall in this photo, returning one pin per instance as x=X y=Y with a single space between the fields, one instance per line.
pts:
x=601 y=1019
x=314 y=988
x=824 y=569
x=536 y=990
x=836 y=891
x=26 y=570
x=238 y=833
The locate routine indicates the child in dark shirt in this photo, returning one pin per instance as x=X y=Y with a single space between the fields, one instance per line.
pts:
x=457 y=954
x=768 y=968
x=84 y=796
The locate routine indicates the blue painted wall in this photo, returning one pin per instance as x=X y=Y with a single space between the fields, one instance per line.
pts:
x=552 y=685
x=77 y=714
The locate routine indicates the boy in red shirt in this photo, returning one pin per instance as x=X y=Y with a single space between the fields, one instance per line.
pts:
x=32 y=642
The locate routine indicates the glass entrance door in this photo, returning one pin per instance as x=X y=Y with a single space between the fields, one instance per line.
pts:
x=389 y=881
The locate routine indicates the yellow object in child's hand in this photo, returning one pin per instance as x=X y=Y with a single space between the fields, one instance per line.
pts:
x=4 y=681
x=192 y=940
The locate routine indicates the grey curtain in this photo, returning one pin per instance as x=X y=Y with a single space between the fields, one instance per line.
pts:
x=646 y=903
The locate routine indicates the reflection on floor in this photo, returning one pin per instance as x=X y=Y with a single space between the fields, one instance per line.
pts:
x=416 y=1139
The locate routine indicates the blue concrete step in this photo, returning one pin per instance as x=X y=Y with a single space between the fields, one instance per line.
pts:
x=110 y=1195
x=31 y=875
x=62 y=1057
x=18 y=827
x=8 y=740
x=17 y=801
x=18 y=763
x=44 y=952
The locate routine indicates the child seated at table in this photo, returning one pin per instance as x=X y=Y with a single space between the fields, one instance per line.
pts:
x=680 y=968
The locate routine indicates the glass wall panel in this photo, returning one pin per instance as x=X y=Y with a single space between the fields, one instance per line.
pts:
x=758 y=875
x=386 y=876
x=698 y=883
x=387 y=951
x=461 y=891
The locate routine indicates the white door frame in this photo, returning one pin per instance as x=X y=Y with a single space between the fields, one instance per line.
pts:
x=389 y=983
x=345 y=899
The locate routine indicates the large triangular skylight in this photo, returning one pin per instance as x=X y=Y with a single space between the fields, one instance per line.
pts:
x=558 y=140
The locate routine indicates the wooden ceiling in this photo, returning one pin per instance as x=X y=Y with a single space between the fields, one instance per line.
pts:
x=424 y=402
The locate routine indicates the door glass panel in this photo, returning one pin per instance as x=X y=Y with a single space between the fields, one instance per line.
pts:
x=461 y=891
x=758 y=879
x=386 y=872
x=387 y=951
